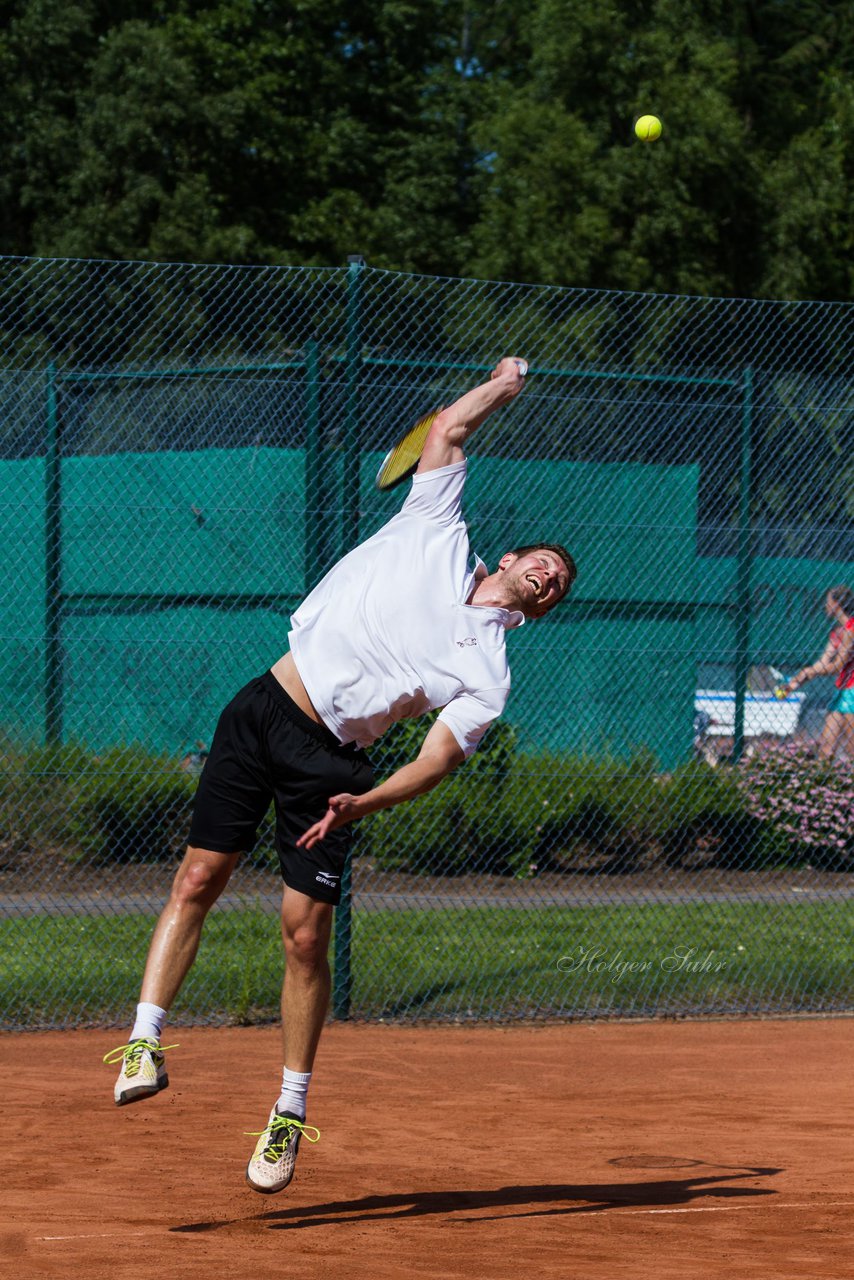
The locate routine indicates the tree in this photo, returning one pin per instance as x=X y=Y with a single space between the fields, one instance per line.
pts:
x=478 y=138
x=808 y=192
x=584 y=203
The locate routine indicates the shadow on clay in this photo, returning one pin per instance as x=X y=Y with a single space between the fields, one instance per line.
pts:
x=550 y=1200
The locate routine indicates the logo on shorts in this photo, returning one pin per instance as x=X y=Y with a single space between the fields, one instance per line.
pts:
x=329 y=881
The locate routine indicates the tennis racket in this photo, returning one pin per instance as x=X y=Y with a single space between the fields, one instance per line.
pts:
x=780 y=686
x=402 y=459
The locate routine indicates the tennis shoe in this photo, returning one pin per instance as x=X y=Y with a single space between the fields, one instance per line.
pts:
x=271 y=1165
x=143 y=1070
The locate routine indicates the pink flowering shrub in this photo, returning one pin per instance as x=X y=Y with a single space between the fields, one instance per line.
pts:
x=807 y=800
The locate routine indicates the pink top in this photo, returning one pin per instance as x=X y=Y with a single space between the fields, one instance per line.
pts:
x=845 y=679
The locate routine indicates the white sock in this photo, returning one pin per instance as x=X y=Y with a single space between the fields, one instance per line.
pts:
x=294 y=1089
x=149 y=1022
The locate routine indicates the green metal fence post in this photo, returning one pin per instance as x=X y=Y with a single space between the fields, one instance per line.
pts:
x=352 y=433
x=314 y=547
x=343 y=982
x=743 y=567
x=52 y=565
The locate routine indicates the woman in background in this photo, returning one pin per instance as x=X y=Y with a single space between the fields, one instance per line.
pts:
x=838 y=660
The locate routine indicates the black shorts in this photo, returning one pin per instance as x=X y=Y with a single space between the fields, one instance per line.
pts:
x=266 y=749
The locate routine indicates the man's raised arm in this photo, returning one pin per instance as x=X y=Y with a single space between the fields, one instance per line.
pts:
x=455 y=424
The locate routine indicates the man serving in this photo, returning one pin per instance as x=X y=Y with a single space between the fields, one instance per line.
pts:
x=406 y=623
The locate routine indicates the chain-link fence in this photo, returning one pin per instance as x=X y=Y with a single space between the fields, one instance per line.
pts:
x=184 y=450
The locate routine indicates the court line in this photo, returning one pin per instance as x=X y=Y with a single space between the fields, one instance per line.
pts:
x=106 y=1235
x=624 y=1213
x=729 y=1208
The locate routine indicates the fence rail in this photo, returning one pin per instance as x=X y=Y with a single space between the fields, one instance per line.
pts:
x=185 y=450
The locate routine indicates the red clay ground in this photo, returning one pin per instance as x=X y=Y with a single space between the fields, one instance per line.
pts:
x=677 y=1151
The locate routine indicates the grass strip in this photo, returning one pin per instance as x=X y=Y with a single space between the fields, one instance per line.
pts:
x=459 y=963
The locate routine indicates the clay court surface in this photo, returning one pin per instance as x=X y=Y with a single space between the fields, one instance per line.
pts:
x=683 y=1150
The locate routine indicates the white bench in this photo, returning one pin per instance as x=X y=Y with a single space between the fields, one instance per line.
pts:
x=764 y=715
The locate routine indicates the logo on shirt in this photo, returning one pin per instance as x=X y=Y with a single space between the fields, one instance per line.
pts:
x=467 y=643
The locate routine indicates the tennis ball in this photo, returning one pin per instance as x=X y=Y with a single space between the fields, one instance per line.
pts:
x=648 y=128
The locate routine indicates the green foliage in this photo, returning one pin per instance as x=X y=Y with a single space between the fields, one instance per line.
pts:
x=809 y=239
x=596 y=811
x=469 y=823
x=119 y=805
x=804 y=800
x=504 y=812
x=130 y=806
x=594 y=815
x=402 y=742
x=464 y=826
x=703 y=819
x=477 y=139
x=36 y=793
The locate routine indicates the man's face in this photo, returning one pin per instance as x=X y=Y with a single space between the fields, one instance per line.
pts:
x=535 y=582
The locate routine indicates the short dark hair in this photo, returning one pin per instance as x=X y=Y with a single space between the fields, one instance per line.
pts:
x=558 y=550
x=844 y=597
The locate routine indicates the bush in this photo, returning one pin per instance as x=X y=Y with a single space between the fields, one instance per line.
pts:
x=504 y=812
x=705 y=821
x=128 y=805
x=516 y=814
x=804 y=800
x=597 y=812
x=463 y=826
x=36 y=788
x=495 y=757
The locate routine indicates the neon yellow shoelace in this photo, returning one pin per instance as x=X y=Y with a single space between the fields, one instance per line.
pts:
x=131 y=1053
x=289 y=1125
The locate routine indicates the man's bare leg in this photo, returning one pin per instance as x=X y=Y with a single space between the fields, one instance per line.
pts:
x=306 y=926
x=199 y=881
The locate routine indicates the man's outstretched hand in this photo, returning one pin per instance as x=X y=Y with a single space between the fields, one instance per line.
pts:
x=439 y=754
x=341 y=809
x=513 y=367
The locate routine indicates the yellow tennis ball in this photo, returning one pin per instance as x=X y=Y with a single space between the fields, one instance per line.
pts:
x=648 y=128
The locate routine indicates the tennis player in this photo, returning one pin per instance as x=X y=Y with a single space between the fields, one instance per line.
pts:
x=405 y=623
x=836 y=660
